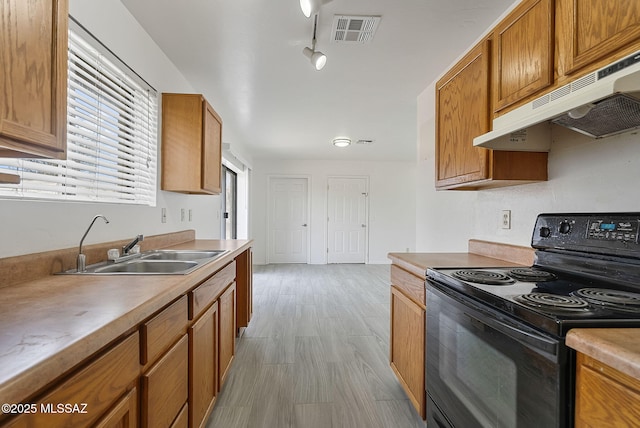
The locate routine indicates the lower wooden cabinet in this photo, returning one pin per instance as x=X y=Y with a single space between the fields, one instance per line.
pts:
x=95 y=392
x=203 y=366
x=165 y=387
x=166 y=374
x=407 y=347
x=244 y=289
x=124 y=414
x=605 y=396
x=227 y=339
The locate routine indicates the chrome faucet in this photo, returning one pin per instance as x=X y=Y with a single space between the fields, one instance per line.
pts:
x=130 y=245
x=82 y=260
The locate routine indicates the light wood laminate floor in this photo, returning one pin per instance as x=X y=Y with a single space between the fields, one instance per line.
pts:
x=316 y=353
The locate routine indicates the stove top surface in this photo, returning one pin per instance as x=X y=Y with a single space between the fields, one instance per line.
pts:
x=551 y=301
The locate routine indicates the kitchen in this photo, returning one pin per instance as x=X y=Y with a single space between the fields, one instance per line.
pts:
x=581 y=172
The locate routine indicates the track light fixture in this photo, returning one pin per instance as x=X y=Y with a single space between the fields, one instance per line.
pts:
x=318 y=59
x=311 y=7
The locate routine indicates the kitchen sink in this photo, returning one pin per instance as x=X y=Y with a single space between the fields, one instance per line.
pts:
x=187 y=255
x=154 y=262
x=147 y=266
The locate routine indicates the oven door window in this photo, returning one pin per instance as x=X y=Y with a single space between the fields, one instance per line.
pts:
x=480 y=376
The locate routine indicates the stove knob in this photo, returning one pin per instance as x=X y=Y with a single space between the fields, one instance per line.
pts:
x=545 y=232
x=565 y=227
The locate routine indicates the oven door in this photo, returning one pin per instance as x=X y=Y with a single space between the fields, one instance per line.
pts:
x=484 y=369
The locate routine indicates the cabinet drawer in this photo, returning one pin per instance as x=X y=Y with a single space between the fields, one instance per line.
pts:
x=98 y=385
x=204 y=294
x=159 y=333
x=410 y=284
x=165 y=387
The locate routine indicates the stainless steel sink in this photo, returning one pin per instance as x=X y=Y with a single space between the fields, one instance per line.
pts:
x=147 y=266
x=181 y=254
x=155 y=262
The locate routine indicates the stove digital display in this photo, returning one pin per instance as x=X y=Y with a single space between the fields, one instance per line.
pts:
x=625 y=231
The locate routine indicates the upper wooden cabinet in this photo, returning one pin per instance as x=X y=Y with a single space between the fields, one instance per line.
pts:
x=33 y=78
x=595 y=32
x=523 y=52
x=462 y=113
x=191 y=145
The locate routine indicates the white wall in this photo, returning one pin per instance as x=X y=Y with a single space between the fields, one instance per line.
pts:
x=584 y=175
x=391 y=204
x=27 y=227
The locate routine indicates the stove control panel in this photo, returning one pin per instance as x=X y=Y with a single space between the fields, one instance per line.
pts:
x=604 y=233
x=622 y=230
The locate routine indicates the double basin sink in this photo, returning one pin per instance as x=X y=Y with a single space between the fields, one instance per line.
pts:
x=155 y=262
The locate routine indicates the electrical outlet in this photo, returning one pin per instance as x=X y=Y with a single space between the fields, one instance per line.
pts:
x=190 y=214
x=163 y=215
x=506 y=219
x=181 y=214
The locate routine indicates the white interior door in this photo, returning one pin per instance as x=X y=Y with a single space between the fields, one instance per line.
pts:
x=288 y=218
x=347 y=220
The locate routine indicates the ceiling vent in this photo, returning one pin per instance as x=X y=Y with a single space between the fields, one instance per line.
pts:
x=354 y=29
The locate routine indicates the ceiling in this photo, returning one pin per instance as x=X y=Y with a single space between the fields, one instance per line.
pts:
x=246 y=57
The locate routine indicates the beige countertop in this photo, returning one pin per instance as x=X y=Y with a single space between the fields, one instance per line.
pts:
x=480 y=254
x=616 y=347
x=417 y=263
x=51 y=324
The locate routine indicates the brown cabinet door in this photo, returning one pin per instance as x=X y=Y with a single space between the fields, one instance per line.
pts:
x=462 y=113
x=124 y=414
x=523 y=53
x=407 y=351
x=605 y=396
x=165 y=387
x=191 y=145
x=33 y=78
x=227 y=332
x=244 y=289
x=593 y=30
x=203 y=366
x=212 y=151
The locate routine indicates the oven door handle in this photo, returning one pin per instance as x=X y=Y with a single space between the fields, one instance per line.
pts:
x=525 y=337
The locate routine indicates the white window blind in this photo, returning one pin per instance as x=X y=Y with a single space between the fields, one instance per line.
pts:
x=111 y=135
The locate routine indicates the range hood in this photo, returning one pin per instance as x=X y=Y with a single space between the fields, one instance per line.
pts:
x=603 y=103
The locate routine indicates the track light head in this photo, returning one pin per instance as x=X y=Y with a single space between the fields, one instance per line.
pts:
x=317 y=58
x=311 y=7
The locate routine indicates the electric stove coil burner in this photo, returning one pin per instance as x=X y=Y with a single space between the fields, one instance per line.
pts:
x=553 y=303
x=618 y=301
x=531 y=275
x=483 y=277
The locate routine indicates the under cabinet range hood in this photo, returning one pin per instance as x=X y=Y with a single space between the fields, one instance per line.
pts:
x=600 y=104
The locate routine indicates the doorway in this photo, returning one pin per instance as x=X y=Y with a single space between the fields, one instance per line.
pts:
x=229 y=204
x=287 y=220
x=347 y=219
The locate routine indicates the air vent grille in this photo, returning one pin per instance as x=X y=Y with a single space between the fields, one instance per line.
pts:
x=354 y=29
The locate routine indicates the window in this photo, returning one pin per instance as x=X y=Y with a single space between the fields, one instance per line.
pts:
x=111 y=134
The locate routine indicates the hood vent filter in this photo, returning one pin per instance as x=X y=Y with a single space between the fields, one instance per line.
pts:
x=354 y=29
x=614 y=115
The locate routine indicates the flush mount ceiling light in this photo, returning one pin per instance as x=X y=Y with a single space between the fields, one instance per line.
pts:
x=317 y=58
x=341 y=141
x=310 y=7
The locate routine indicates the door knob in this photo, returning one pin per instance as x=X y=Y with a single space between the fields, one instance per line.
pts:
x=304 y=225
x=364 y=225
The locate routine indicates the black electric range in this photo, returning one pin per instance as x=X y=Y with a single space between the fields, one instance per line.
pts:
x=495 y=351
